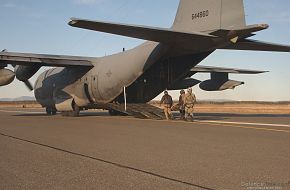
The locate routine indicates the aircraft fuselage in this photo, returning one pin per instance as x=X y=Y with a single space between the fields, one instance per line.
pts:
x=145 y=71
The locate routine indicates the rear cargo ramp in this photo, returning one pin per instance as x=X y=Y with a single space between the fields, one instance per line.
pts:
x=143 y=111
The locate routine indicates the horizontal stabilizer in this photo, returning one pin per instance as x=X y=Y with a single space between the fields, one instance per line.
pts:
x=246 y=31
x=207 y=69
x=142 y=32
x=253 y=45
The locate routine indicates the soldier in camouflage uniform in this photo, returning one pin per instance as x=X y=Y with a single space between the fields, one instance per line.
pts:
x=189 y=101
x=181 y=105
x=167 y=103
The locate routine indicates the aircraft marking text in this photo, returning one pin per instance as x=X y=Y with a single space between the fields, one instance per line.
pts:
x=201 y=14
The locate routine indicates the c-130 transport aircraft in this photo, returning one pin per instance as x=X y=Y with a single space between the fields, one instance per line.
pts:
x=166 y=61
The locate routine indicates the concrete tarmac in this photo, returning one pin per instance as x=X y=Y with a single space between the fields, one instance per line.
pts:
x=97 y=151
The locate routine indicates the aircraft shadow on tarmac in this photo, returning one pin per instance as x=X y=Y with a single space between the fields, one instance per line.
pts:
x=105 y=114
x=240 y=115
x=88 y=114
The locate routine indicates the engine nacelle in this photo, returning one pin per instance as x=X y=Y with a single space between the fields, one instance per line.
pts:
x=57 y=88
x=219 y=82
x=23 y=73
x=211 y=85
x=6 y=77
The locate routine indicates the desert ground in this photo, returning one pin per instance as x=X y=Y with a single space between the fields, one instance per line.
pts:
x=202 y=107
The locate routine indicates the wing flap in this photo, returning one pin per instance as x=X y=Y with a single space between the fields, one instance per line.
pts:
x=44 y=60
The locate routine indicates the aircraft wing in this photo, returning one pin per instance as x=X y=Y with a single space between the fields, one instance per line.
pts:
x=257 y=46
x=43 y=60
x=208 y=69
x=142 y=32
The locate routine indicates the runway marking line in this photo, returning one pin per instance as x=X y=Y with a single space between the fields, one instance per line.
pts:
x=246 y=127
x=242 y=123
x=216 y=124
x=222 y=125
x=204 y=122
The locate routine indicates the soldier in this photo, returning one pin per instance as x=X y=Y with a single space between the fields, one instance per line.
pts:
x=167 y=102
x=189 y=101
x=181 y=104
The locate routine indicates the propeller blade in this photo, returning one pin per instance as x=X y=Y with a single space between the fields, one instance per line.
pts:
x=28 y=85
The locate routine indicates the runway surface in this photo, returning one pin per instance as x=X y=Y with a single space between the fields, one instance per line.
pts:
x=97 y=151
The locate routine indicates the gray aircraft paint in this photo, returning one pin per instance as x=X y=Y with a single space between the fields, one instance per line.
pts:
x=6 y=77
x=215 y=15
x=106 y=79
x=166 y=61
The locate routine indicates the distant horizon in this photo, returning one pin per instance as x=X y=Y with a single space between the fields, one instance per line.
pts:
x=41 y=27
x=32 y=99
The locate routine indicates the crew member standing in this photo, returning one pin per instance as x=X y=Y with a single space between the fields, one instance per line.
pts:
x=181 y=104
x=167 y=103
x=189 y=101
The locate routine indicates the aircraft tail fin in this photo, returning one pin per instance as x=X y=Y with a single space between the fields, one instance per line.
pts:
x=209 y=15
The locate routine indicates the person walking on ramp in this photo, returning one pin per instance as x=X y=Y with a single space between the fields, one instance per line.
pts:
x=189 y=101
x=181 y=105
x=167 y=103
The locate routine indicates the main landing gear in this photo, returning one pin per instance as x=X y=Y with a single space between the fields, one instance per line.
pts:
x=51 y=111
x=74 y=113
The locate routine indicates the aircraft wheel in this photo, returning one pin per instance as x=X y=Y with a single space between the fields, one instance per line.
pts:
x=53 y=111
x=74 y=113
x=48 y=110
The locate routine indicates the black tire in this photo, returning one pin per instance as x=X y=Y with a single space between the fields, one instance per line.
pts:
x=53 y=111
x=74 y=113
x=48 y=111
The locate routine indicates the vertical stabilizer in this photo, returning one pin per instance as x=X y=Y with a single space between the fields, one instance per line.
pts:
x=209 y=15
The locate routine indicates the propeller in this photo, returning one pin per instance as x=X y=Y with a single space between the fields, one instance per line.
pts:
x=21 y=75
x=28 y=85
x=3 y=64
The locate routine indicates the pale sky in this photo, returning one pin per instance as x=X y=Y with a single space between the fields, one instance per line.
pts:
x=35 y=26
